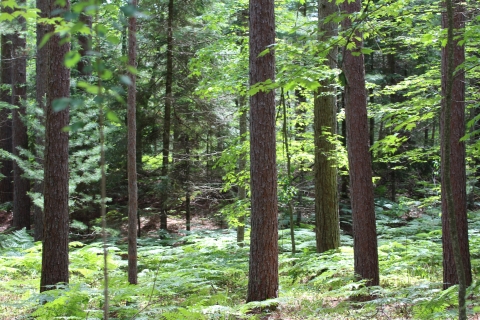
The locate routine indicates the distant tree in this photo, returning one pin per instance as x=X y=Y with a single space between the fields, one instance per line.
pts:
x=21 y=200
x=359 y=159
x=167 y=116
x=263 y=265
x=456 y=254
x=55 y=242
x=327 y=228
x=41 y=91
x=6 y=186
x=132 y=145
x=242 y=165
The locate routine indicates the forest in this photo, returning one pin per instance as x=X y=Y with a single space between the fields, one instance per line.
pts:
x=199 y=159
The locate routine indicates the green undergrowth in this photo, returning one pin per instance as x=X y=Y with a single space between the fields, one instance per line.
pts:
x=203 y=275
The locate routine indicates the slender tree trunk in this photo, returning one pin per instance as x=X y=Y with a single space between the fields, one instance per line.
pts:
x=132 y=152
x=21 y=200
x=55 y=245
x=289 y=171
x=85 y=43
x=242 y=165
x=456 y=254
x=41 y=91
x=187 y=183
x=325 y=124
x=361 y=186
x=6 y=184
x=167 y=116
x=263 y=265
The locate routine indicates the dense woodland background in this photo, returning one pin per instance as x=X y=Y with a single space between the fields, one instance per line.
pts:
x=136 y=129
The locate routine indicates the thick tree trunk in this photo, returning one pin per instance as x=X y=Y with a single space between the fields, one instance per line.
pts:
x=167 y=116
x=263 y=265
x=6 y=183
x=41 y=91
x=361 y=186
x=457 y=158
x=325 y=124
x=132 y=153
x=55 y=243
x=21 y=200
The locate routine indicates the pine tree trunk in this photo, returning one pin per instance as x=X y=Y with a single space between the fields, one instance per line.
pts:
x=360 y=164
x=55 y=243
x=325 y=125
x=263 y=265
x=21 y=200
x=167 y=116
x=41 y=91
x=132 y=152
x=6 y=183
x=457 y=156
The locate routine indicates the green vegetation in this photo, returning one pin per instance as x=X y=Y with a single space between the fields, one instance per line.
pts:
x=203 y=275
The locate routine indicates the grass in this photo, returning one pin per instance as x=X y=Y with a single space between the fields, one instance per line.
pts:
x=203 y=275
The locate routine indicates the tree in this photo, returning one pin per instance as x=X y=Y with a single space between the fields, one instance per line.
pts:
x=325 y=124
x=359 y=159
x=55 y=242
x=21 y=200
x=132 y=161
x=456 y=254
x=263 y=265
x=167 y=116
x=6 y=186
x=41 y=72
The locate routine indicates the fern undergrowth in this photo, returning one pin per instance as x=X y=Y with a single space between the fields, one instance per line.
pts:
x=203 y=275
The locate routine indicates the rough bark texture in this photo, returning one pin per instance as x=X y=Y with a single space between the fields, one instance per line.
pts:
x=457 y=161
x=132 y=160
x=6 y=185
x=325 y=124
x=21 y=201
x=263 y=265
x=167 y=116
x=361 y=186
x=41 y=87
x=55 y=243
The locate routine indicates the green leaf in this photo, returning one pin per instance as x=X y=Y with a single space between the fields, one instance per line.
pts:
x=264 y=52
x=72 y=58
x=60 y=104
x=367 y=50
x=126 y=80
x=74 y=127
x=45 y=39
x=112 y=117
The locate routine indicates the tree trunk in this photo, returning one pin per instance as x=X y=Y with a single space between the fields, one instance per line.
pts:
x=55 y=243
x=85 y=43
x=263 y=265
x=361 y=186
x=132 y=153
x=41 y=86
x=6 y=184
x=242 y=165
x=456 y=156
x=167 y=116
x=325 y=124
x=21 y=200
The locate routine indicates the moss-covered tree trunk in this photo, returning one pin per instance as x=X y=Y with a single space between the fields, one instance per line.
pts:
x=325 y=126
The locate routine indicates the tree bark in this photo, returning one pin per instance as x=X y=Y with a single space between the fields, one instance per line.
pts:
x=327 y=220
x=360 y=164
x=167 y=116
x=55 y=243
x=132 y=152
x=6 y=184
x=41 y=91
x=21 y=200
x=456 y=156
x=242 y=165
x=263 y=265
